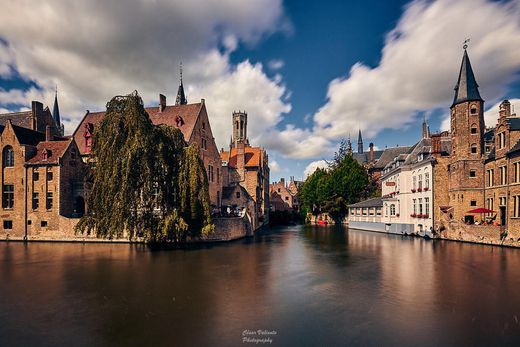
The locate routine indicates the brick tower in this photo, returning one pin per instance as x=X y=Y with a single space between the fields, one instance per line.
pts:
x=466 y=167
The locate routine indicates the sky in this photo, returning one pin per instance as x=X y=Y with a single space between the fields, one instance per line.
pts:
x=308 y=73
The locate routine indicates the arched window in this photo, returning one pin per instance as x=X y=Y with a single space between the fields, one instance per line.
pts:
x=473 y=128
x=8 y=156
x=392 y=210
x=473 y=148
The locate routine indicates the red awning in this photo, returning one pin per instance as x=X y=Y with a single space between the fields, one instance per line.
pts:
x=480 y=210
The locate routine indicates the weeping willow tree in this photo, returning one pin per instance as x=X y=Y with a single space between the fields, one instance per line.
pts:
x=140 y=178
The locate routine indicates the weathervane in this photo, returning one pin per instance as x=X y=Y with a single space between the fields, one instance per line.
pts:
x=465 y=43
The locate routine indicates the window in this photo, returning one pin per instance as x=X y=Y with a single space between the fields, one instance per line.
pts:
x=8 y=196
x=278 y=190
x=8 y=156
x=420 y=181
x=516 y=206
x=503 y=174
x=516 y=172
x=8 y=224
x=204 y=144
x=218 y=175
x=427 y=206
x=392 y=210
x=36 y=176
x=378 y=211
x=43 y=223
x=35 y=201
x=473 y=203
x=473 y=148
x=489 y=204
x=472 y=173
x=49 y=201
x=211 y=173
x=490 y=177
x=414 y=206
x=501 y=140
x=414 y=182
x=502 y=201
x=73 y=153
x=427 y=180
x=49 y=176
x=473 y=130
x=473 y=110
x=286 y=198
x=420 y=206
x=238 y=195
x=203 y=125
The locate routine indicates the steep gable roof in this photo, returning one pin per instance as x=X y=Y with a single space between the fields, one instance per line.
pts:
x=467 y=87
x=21 y=119
x=253 y=157
x=168 y=116
x=55 y=150
x=389 y=154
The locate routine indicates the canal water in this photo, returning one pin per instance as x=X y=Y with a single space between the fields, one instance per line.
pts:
x=299 y=286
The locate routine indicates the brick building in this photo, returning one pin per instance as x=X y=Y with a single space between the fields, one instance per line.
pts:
x=191 y=119
x=248 y=167
x=42 y=175
x=283 y=196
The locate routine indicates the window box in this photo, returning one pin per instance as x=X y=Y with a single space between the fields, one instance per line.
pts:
x=413 y=215
x=425 y=216
x=426 y=189
x=413 y=190
x=397 y=215
x=419 y=189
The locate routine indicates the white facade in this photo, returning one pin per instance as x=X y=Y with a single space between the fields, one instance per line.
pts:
x=408 y=196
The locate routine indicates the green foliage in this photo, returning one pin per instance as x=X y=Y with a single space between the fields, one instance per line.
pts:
x=331 y=190
x=140 y=179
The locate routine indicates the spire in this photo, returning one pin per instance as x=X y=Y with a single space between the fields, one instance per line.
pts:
x=425 y=129
x=181 y=98
x=56 y=113
x=349 y=145
x=360 y=143
x=467 y=87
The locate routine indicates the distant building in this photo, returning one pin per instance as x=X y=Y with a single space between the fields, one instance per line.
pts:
x=248 y=167
x=284 y=196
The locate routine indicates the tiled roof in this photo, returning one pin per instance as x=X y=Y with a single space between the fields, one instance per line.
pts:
x=375 y=202
x=56 y=149
x=467 y=87
x=253 y=157
x=21 y=119
x=514 y=123
x=363 y=158
x=189 y=114
x=389 y=154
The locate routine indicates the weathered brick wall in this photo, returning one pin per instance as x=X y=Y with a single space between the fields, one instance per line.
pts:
x=440 y=187
x=230 y=229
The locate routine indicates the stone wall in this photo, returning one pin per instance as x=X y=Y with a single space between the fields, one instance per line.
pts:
x=227 y=229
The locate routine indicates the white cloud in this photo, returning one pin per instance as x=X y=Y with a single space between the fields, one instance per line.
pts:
x=314 y=166
x=274 y=166
x=491 y=115
x=95 y=49
x=276 y=64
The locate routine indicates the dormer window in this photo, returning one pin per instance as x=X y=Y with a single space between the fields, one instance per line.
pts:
x=179 y=121
x=46 y=154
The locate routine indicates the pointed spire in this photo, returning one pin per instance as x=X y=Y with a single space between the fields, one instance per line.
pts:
x=467 y=87
x=181 y=97
x=425 y=129
x=56 y=110
x=360 y=142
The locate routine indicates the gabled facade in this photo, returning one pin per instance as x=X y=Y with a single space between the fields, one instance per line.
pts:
x=191 y=119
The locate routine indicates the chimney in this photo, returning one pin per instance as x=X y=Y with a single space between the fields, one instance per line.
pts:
x=505 y=109
x=371 y=152
x=48 y=133
x=162 y=102
x=37 y=112
x=436 y=143
x=282 y=181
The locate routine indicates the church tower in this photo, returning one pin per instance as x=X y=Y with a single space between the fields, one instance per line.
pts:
x=360 y=143
x=466 y=168
x=181 y=97
x=56 y=114
x=239 y=128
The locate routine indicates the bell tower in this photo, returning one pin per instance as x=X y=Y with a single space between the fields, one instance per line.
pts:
x=239 y=127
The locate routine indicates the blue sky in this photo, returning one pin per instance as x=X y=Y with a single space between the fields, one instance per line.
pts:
x=308 y=73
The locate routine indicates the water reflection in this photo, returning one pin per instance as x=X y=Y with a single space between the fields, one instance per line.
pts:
x=313 y=285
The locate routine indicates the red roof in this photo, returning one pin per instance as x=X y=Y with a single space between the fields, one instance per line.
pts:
x=253 y=157
x=169 y=116
x=55 y=150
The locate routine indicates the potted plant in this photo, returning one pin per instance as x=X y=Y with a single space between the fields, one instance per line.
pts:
x=426 y=188
x=413 y=215
x=419 y=189
x=397 y=215
x=413 y=190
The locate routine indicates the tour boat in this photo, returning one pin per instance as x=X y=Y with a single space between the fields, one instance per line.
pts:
x=322 y=222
